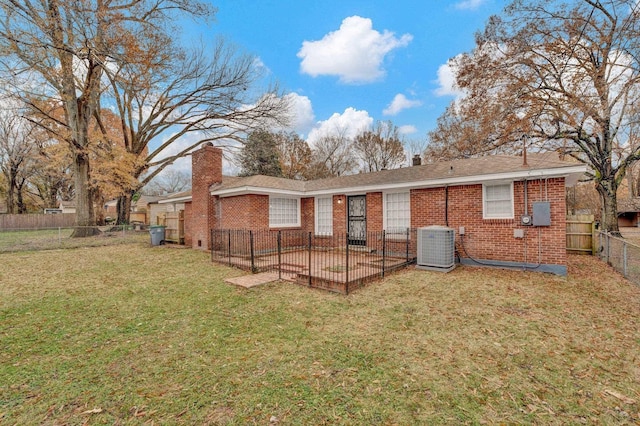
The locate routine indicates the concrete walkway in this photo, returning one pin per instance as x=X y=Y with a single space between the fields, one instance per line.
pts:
x=253 y=280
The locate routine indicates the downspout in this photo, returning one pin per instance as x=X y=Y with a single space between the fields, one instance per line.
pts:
x=446 y=206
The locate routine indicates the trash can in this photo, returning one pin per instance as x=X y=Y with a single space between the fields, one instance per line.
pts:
x=157 y=234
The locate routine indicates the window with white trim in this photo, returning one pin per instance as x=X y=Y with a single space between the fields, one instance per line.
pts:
x=497 y=201
x=324 y=215
x=397 y=212
x=284 y=212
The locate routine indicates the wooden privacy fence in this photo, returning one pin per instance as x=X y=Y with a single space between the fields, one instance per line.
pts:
x=174 y=226
x=14 y=222
x=580 y=234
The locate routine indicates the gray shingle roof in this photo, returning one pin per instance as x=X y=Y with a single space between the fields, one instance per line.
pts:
x=471 y=170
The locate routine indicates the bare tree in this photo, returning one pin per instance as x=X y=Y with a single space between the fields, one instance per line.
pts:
x=380 y=148
x=211 y=95
x=17 y=151
x=59 y=50
x=556 y=75
x=332 y=156
x=168 y=182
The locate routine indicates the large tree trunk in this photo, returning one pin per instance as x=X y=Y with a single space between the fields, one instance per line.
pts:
x=607 y=190
x=22 y=207
x=99 y=207
x=11 y=199
x=85 y=219
x=52 y=197
x=124 y=208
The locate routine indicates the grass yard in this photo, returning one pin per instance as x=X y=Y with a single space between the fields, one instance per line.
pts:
x=51 y=239
x=130 y=334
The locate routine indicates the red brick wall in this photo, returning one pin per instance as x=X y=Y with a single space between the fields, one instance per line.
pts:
x=339 y=214
x=206 y=169
x=494 y=239
x=374 y=212
x=244 y=212
x=252 y=212
x=307 y=214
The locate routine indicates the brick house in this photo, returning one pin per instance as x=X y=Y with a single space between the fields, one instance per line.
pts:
x=504 y=213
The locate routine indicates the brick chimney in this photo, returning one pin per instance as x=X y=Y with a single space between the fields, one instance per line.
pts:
x=206 y=169
x=416 y=160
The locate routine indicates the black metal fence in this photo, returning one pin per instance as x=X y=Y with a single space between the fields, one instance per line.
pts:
x=336 y=263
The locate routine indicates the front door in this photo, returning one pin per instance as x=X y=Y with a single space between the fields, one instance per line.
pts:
x=357 y=219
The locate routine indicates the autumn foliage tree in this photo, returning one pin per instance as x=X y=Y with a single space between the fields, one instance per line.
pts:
x=194 y=96
x=553 y=75
x=59 y=50
x=380 y=148
x=112 y=166
x=294 y=154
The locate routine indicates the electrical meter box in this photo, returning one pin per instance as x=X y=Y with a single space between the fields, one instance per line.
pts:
x=542 y=213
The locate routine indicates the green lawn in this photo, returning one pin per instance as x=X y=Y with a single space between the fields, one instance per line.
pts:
x=130 y=334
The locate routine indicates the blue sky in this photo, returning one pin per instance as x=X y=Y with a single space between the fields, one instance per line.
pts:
x=346 y=61
x=349 y=63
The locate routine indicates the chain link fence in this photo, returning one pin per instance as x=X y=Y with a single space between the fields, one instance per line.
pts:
x=16 y=240
x=621 y=254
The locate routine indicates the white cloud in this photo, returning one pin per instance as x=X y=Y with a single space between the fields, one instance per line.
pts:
x=354 y=53
x=399 y=103
x=349 y=124
x=447 y=81
x=469 y=4
x=301 y=110
x=407 y=130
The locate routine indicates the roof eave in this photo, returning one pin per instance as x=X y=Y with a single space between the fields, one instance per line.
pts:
x=256 y=190
x=572 y=174
x=174 y=200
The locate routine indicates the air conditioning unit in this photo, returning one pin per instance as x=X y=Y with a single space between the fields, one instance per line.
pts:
x=436 y=248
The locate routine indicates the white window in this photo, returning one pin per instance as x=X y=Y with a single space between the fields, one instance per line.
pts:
x=284 y=212
x=497 y=201
x=324 y=216
x=397 y=212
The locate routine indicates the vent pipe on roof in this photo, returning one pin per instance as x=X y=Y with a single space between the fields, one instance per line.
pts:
x=524 y=151
x=416 y=161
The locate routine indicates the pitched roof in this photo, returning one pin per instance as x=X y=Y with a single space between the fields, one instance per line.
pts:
x=629 y=205
x=175 y=197
x=455 y=172
x=146 y=199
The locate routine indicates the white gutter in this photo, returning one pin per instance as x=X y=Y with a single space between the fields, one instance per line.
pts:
x=175 y=200
x=245 y=190
x=567 y=172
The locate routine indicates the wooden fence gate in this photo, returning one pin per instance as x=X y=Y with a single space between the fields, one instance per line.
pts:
x=580 y=234
x=174 y=226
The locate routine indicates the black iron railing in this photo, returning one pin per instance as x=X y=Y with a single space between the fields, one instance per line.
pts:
x=321 y=261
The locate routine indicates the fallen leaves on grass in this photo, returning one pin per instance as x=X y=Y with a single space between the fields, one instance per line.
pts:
x=93 y=411
x=620 y=396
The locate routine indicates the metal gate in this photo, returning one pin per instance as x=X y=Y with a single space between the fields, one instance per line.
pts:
x=357 y=219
